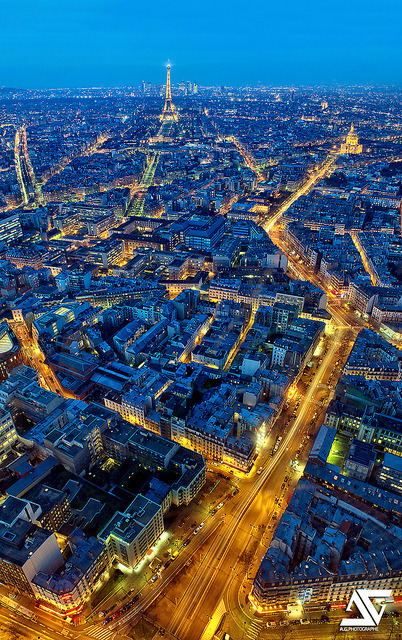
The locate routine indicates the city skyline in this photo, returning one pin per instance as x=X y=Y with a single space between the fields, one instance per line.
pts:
x=121 y=45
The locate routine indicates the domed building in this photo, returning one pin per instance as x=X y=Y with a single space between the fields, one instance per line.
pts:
x=351 y=144
x=10 y=351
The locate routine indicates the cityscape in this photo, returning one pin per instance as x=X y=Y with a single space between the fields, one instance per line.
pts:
x=200 y=361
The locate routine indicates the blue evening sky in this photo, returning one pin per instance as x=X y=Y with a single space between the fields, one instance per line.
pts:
x=81 y=43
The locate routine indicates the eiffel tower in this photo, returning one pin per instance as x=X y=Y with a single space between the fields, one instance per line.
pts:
x=169 y=112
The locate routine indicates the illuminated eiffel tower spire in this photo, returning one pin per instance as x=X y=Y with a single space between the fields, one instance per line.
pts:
x=169 y=112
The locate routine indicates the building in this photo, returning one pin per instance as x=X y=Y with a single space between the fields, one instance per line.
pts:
x=11 y=353
x=25 y=549
x=77 y=579
x=127 y=335
x=31 y=479
x=52 y=322
x=106 y=253
x=8 y=434
x=10 y=228
x=33 y=401
x=344 y=417
x=351 y=144
x=389 y=474
x=122 y=441
x=360 y=460
x=383 y=431
x=54 y=504
x=203 y=233
x=313 y=560
x=78 y=443
x=100 y=224
x=129 y=535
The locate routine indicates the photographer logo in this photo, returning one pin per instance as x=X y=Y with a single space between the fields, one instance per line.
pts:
x=370 y=617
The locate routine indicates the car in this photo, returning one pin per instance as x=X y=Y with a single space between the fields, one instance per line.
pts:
x=284 y=623
x=324 y=619
x=155 y=577
x=271 y=624
x=213 y=512
x=287 y=479
x=167 y=564
x=304 y=621
x=106 y=620
x=186 y=542
x=283 y=485
x=259 y=470
x=220 y=505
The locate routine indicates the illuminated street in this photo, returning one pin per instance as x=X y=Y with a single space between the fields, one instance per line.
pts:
x=137 y=204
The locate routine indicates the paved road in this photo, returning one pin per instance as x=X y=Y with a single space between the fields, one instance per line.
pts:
x=136 y=205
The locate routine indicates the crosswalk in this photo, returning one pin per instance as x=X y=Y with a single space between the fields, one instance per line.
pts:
x=100 y=633
x=255 y=630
